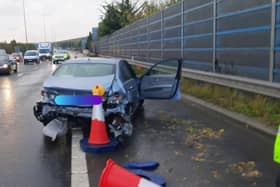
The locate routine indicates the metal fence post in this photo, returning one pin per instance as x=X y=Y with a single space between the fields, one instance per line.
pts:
x=272 y=40
x=161 y=33
x=182 y=29
x=214 y=34
x=148 y=38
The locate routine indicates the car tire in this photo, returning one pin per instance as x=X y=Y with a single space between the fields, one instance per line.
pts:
x=141 y=103
x=10 y=71
x=16 y=70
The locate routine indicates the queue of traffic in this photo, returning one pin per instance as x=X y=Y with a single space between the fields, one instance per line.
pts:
x=9 y=62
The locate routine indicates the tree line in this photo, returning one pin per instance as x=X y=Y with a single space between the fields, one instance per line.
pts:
x=119 y=14
x=11 y=47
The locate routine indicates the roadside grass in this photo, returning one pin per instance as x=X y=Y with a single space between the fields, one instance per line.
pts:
x=90 y=54
x=263 y=108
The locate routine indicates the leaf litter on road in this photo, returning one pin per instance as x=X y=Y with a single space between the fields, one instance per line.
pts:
x=245 y=169
x=172 y=121
x=216 y=174
x=195 y=135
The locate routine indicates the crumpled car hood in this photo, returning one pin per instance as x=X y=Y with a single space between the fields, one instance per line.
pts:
x=81 y=83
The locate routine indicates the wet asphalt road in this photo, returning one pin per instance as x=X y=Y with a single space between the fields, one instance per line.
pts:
x=26 y=157
x=163 y=134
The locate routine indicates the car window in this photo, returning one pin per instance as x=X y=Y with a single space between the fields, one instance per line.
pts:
x=61 y=52
x=2 y=52
x=84 y=70
x=44 y=51
x=30 y=53
x=126 y=72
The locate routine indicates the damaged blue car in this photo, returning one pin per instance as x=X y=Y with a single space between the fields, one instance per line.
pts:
x=125 y=93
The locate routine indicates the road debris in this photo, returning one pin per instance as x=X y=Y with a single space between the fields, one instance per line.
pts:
x=216 y=174
x=199 y=157
x=200 y=133
x=195 y=135
x=245 y=169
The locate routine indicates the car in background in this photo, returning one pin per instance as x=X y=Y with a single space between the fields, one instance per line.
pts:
x=7 y=65
x=31 y=56
x=45 y=50
x=60 y=56
x=45 y=54
x=18 y=57
x=124 y=92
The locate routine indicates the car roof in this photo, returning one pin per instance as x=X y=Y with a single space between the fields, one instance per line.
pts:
x=95 y=60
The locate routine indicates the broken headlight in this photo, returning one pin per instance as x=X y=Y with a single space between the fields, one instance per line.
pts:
x=114 y=100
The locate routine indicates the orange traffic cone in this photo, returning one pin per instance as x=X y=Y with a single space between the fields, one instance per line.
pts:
x=98 y=141
x=115 y=176
x=98 y=131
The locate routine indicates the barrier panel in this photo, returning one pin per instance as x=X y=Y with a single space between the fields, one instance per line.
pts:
x=240 y=38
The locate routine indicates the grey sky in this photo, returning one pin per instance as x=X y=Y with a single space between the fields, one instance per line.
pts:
x=64 y=19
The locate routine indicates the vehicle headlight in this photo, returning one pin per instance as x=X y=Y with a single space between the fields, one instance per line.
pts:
x=52 y=96
x=5 y=66
x=47 y=97
x=114 y=100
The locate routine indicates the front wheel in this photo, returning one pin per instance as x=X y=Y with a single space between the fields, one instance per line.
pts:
x=10 y=71
x=141 y=103
x=16 y=70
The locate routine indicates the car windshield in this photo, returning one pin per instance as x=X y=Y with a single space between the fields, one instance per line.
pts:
x=44 y=51
x=61 y=52
x=84 y=70
x=30 y=53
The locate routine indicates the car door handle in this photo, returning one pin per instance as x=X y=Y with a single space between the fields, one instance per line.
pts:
x=130 y=87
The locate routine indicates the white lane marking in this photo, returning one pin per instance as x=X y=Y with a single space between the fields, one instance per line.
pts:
x=20 y=74
x=79 y=171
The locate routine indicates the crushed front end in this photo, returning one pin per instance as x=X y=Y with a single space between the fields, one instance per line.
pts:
x=116 y=115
